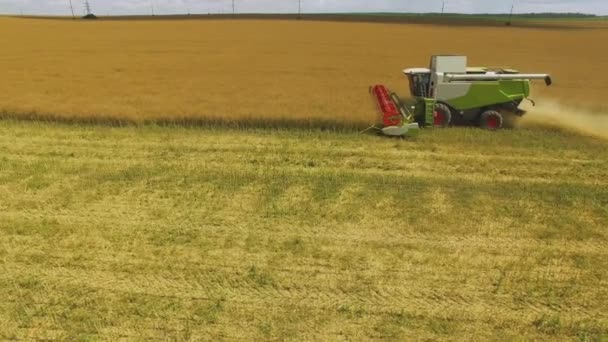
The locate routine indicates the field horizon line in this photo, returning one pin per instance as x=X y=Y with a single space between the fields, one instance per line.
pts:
x=450 y=19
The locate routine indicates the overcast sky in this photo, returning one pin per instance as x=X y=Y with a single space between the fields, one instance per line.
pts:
x=103 y=7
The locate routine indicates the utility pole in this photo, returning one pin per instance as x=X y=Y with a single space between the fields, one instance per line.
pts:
x=233 y=8
x=299 y=9
x=152 y=7
x=511 y=14
x=443 y=8
x=87 y=7
x=72 y=9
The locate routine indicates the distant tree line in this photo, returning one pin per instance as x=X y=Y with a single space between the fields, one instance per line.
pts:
x=554 y=15
x=494 y=15
x=519 y=15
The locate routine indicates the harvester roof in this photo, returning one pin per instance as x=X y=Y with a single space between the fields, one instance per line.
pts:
x=416 y=71
x=476 y=70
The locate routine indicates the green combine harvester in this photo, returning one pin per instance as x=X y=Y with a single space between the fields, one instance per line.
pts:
x=450 y=93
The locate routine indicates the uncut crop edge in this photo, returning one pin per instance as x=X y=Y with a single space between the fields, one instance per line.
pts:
x=208 y=122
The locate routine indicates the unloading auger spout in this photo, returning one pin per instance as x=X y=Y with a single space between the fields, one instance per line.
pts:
x=498 y=77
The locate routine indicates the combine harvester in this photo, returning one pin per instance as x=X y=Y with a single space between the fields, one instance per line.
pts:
x=449 y=93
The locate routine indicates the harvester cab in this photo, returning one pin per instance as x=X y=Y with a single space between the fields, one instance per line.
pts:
x=451 y=93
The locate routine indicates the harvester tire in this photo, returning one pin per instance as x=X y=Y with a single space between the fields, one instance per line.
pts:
x=442 y=116
x=491 y=120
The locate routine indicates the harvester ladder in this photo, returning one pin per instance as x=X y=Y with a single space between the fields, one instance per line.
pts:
x=429 y=111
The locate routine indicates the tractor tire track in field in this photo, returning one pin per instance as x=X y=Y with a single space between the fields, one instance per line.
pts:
x=349 y=234
x=249 y=292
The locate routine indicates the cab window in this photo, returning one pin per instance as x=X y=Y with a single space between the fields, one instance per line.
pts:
x=419 y=84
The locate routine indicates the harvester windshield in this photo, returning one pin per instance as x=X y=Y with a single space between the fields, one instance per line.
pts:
x=420 y=80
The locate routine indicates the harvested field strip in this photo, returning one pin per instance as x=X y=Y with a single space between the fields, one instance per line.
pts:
x=160 y=232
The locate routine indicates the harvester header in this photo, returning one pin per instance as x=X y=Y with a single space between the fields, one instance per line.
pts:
x=451 y=93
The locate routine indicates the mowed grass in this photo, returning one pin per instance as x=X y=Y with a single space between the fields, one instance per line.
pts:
x=175 y=233
x=260 y=71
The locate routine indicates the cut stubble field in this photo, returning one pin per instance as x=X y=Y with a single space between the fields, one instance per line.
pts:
x=160 y=232
x=174 y=232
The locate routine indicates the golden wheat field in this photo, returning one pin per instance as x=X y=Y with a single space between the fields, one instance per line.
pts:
x=251 y=69
x=211 y=232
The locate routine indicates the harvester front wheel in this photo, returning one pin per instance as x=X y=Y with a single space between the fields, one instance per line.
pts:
x=442 y=116
x=491 y=120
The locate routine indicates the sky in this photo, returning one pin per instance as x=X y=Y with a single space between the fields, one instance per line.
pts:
x=117 y=7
